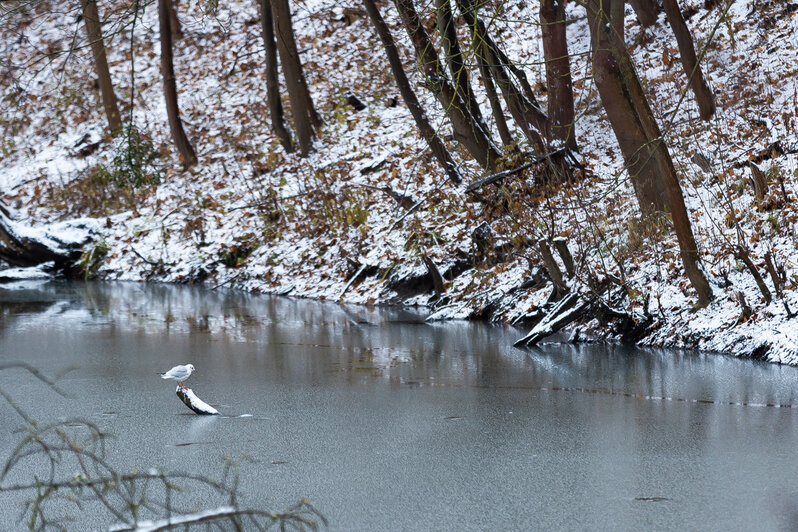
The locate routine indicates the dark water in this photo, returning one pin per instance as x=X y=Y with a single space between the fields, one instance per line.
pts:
x=385 y=422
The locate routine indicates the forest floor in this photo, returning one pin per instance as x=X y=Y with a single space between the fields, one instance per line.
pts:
x=355 y=220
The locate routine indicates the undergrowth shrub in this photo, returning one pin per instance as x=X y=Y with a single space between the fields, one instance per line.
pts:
x=133 y=165
x=108 y=188
x=91 y=193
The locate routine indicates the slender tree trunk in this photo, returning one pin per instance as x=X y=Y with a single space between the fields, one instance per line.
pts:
x=189 y=158
x=272 y=80
x=646 y=11
x=305 y=116
x=466 y=130
x=642 y=118
x=558 y=72
x=91 y=18
x=425 y=128
x=495 y=104
x=703 y=94
x=174 y=22
x=290 y=43
x=454 y=58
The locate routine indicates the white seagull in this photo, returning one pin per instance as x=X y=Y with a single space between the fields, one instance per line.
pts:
x=179 y=374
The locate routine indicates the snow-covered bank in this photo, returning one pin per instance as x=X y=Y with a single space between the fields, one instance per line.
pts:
x=354 y=221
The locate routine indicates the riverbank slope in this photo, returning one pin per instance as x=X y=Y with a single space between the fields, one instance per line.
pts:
x=363 y=218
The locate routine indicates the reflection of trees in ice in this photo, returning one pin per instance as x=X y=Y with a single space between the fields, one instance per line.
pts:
x=279 y=336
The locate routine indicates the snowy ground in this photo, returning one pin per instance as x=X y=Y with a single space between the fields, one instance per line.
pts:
x=252 y=217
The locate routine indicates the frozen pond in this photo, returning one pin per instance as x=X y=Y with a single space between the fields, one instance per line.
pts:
x=385 y=422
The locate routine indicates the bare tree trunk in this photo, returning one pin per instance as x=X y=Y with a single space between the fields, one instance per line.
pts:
x=466 y=130
x=305 y=116
x=454 y=59
x=617 y=14
x=272 y=81
x=91 y=18
x=189 y=158
x=174 y=22
x=646 y=11
x=642 y=118
x=558 y=72
x=521 y=104
x=495 y=104
x=637 y=151
x=703 y=94
x=425 y=128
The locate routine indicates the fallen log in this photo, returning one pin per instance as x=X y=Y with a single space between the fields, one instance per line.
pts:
x=568 y=309
x=196 y=404
x=61 y=243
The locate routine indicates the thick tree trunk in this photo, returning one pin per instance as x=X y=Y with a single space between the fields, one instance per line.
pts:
x=466 y=130
x=642 y=119
x=305 y=116
x=703 y=94
x=617 y=15
x=425 y=128
x=272 y=80
x=637 y=152
x=91 y=18
x=646 y=11
x=189 y=158
x=558 y=72
x=454 y=58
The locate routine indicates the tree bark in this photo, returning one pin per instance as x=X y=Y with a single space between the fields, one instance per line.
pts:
x=558 y=72
x=629 y=132
x=305 y=116
x=552 y=268
x=91 y=18
x=425 y=128
x=617 y=15
x=561 y=244
x=189 y=158
x=174 y=22
x=647 y=11
x=495 y=104
x=454 y=59
x=695 y=76
x=741 y=254
x=466 y=130
x=642 y=119
x=272 y=80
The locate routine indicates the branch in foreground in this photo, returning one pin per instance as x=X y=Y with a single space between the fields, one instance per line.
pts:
x=499 y=176
x=300 y=516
